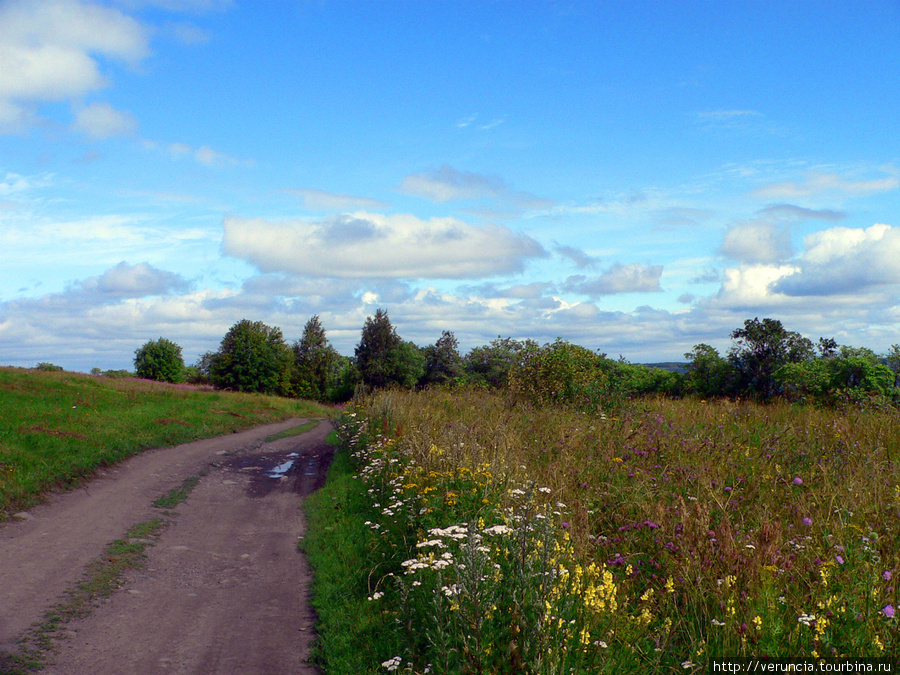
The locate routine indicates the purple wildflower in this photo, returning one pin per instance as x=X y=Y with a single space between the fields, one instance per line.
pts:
x=888 y=611
x=840 y=559
x=886 y=575
x=807 y=521
x=798 y=480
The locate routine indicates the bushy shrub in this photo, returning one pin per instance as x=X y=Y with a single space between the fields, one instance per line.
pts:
x=559 y=372
x=159 y=360
x=253 y=357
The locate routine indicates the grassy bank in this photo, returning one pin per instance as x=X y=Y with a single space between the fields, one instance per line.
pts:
x=481 y=537
x=57 y=428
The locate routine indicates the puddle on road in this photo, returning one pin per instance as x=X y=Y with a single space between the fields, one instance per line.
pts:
x=285 y=471
x=281 y=470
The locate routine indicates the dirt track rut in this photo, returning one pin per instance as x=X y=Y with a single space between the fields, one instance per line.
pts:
x=223 y=591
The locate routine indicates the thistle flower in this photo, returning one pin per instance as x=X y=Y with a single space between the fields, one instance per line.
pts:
x=888 y=611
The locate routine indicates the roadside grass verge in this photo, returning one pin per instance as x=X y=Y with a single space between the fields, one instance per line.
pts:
x=293 y=431
x=177 y=495
x=476 y=535
x=58 y=428
x=101 y=579
x=350 y=630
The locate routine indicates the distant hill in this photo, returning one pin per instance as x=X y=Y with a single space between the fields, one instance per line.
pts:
x=672 y=366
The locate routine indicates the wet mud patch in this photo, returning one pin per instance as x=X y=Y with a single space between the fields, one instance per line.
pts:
x=299 y=469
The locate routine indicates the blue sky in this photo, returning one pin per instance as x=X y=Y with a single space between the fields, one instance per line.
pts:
x=635 y=177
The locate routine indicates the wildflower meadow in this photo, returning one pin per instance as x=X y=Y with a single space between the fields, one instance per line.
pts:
x=497 y=536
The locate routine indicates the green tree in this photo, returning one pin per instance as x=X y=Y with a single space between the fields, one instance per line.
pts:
x=407 y=365
x=159 y=360
x=762 y=347
x=315 y=362
x=892 y=358
x=709 y=374
x=376 y=356
x=490 y=364
x=443 y=363
x=253 y=357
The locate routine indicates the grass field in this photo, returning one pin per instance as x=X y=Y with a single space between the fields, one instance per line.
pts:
x=479 y=536
x=57 y=428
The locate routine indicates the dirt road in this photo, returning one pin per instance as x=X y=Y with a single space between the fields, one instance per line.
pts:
x=223 y=590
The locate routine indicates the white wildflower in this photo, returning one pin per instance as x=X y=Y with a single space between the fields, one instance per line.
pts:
x=392 y=664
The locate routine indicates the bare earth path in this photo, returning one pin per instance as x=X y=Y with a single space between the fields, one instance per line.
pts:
x=224 y=589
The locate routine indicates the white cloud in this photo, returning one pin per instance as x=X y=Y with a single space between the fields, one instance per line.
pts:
x=328 y=201
x=101 y=120
x=818 y=183
x=845 y=260
x=132 y=281
x=749 y=287
x=756 y=242
x=577 y=256
x=791 y=212
x=447 y=184
x=365 y=245
x=48 y=51
x=633 y=278
x=204 y=155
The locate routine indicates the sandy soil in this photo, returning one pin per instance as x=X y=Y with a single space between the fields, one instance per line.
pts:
x=223 y=591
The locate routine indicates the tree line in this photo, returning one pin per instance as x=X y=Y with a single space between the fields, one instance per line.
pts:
x=765 y=361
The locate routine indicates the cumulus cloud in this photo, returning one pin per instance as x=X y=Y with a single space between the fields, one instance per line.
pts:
x=633 y=278
x=749 y=287
x=447 y=184
x=133 y=281
x=101 y=120
x=844 y=260
x=817 y=183
x=367 y=245
x=328 y=201
x=707 y=276
x=757 y=242
x=49 y=51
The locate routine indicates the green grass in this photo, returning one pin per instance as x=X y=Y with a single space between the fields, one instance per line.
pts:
x=349 y=627
x=176 y=496
x=101 y=579
x=58 y=428
x=293 y=431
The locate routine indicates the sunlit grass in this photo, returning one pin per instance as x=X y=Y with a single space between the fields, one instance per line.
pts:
x=56 y=428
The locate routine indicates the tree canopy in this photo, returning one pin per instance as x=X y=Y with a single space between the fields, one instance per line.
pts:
x=159 y=360
x=253 y=357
